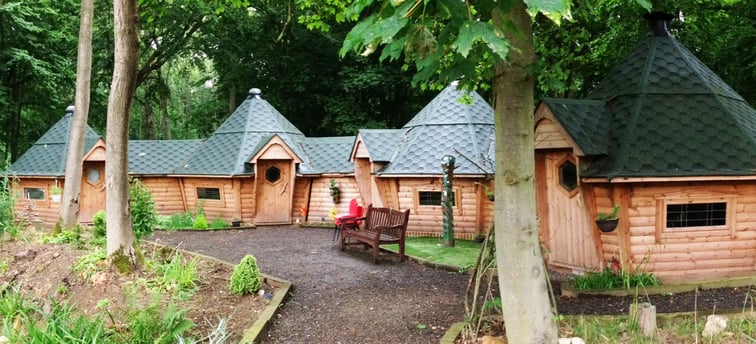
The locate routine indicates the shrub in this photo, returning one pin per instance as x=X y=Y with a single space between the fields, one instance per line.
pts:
x=99 y=225
x=7 y=200
x=200 y=222
x=246 y=277
x=219 y=223
x=143 y=211
x=180 y=220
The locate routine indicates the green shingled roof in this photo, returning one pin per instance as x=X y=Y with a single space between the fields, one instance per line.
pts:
x=159 y=157
x=663 y=114
x=381 y=143
x=240 y=137
x=47 y=157
x=447 y=126
x=327 y=155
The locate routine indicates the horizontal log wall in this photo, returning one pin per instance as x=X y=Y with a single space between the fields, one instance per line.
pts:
x=166 y=192
x=42 y=212
x=684 y=254
x=321 y=202
x=223 y=208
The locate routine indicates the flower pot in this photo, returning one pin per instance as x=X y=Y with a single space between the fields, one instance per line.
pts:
x=235 y=223
x=479 y=239
x=491 y=197
x=607 y=226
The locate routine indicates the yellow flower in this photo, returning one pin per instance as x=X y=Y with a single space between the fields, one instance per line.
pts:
x=332 y=214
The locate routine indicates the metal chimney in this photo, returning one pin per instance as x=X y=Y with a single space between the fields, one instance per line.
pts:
x=658 y=22
x=69 y=111
x=254 y=93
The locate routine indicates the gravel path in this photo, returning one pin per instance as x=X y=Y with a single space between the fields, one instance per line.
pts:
x=339 y=297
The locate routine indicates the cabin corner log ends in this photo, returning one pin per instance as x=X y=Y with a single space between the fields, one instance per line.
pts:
x=381 y=226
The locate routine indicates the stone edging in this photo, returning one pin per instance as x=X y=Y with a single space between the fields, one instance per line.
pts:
x=252 y=333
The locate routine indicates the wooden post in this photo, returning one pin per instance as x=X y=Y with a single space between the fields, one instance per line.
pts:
x=644 y=315
x=446 y=199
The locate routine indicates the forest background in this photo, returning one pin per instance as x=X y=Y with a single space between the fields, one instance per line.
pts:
x=197 y=63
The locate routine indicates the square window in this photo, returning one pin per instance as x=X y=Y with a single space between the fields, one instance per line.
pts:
x=209 y=193
x=34 y=193
x=432 y=197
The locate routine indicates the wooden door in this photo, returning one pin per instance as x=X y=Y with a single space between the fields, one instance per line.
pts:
x=92 y=197
x=570 y=239
x=274 y=192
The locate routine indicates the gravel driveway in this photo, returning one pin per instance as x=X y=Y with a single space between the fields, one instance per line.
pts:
x=339 y=297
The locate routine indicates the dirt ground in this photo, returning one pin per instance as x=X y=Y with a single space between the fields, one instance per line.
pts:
x=338 y=297
x=45 y=271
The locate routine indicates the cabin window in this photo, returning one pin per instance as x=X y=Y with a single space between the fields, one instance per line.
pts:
x=93 y=175
x=432 y=197
x=568 y=176
x=209 y=194
x=34 y=193
x=696 y=215
x=272 y=174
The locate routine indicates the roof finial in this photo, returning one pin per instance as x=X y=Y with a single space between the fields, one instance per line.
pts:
x=254 y=93
x=658 y=21
x=69 y=111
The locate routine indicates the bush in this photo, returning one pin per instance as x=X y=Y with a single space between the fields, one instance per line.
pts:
x=246 y=277
x=180 y=221
x=99 y=225
x=143 y=212
x=200 y=222
x=219 y=223
x=7 y=201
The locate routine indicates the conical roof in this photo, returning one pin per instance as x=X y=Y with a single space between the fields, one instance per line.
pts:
x=454 y=123
x=47 y=156
x=241 y=136
x=667 y=114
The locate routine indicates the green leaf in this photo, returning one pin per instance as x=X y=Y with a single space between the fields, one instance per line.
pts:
x=470 y=33
x=552 y=9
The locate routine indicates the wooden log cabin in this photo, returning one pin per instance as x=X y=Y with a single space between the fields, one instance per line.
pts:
x=259 y=168
x=673 y=145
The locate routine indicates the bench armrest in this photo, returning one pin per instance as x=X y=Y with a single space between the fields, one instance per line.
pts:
x=379 y=229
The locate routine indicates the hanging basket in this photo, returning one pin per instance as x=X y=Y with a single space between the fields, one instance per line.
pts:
x=607 y=226
x=491 y=197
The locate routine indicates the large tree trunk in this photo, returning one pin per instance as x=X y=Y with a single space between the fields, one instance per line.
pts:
x=69 y=207
x=120 y=235
x=522 y=277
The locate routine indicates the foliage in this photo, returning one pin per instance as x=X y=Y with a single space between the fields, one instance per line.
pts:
x=246 y=277
x=613 y=277
x=99 y=224
x=7 y=202
x=66 y=236
x=200 y=222
x=609 y=216
x=91 y=263
x=151 y=325
x=143 y=209
x=178 y=275
x=61 y=324
x=219 y=223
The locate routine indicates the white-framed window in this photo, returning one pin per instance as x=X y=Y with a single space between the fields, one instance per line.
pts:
x=36 y=194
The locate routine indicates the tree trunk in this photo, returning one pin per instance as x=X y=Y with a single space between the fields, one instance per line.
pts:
x=149 y=120
x=120 y=235
x=69 y=206
x=522 y=277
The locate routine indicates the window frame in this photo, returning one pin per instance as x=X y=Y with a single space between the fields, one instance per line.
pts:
x=558 y=176
x=665 y=232
x=220 y=193
x=42 y=188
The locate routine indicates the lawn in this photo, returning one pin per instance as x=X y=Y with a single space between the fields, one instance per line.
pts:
x=462 y=255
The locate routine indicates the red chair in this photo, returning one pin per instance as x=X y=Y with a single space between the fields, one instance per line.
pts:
x=352 y=220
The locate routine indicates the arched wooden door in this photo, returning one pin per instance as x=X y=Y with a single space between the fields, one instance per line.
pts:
x=273 y=198
x=92 y=197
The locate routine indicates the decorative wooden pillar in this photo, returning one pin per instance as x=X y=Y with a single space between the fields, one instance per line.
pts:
x=447 y=163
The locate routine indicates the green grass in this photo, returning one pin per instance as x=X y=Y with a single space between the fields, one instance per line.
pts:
x=462 y=255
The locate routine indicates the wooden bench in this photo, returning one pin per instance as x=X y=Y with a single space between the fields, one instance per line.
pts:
x=381 y=226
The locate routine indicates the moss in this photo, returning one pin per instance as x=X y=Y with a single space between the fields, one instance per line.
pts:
x=127 y=262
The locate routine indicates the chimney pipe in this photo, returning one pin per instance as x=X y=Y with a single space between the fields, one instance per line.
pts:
x=69 y=111
x=254 y=93
x=658 y=22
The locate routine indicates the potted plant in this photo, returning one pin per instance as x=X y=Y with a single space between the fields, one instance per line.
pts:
x=489 y=191
x=236 y=223
x=334 y=191
x=607 y=222
x=479 y=238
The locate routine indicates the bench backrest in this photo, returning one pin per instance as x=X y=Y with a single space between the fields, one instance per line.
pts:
x=387 y=217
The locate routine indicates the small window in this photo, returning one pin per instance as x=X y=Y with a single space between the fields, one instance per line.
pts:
x=272 y=174
x=208 y=193
x=696 y=215
x=568 y=176
x=93 y=175
x=34 y=193
x=432 y=197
